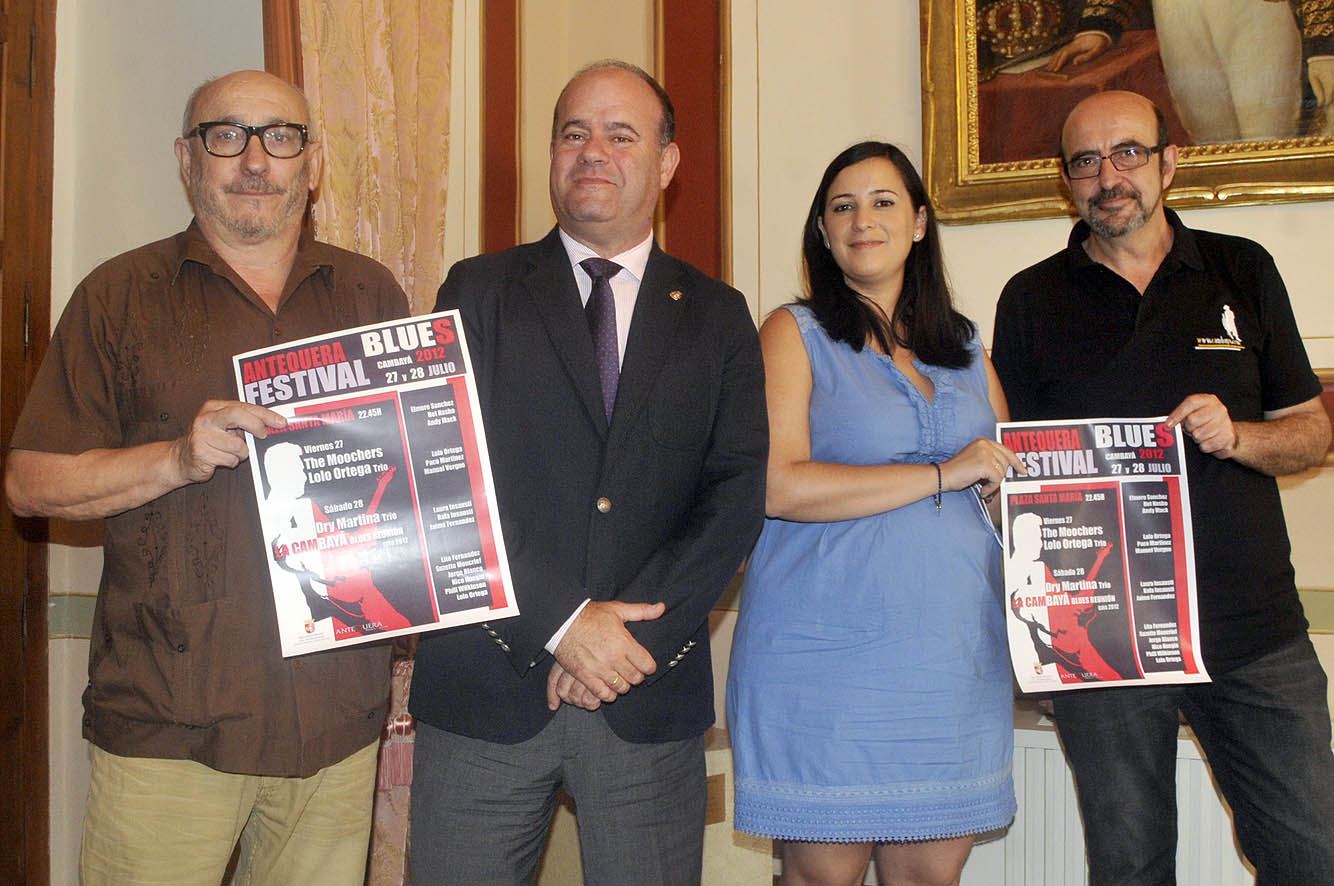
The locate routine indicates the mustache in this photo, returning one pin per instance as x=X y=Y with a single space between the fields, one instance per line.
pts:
x=1116 y=193
x=252 y=184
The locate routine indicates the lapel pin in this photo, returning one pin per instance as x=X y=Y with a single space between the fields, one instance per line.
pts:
x=674 y=295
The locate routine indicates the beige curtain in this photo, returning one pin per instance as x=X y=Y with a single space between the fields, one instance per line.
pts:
x=377 y=74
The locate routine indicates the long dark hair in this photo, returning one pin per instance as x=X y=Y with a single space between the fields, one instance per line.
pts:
x=936 y=333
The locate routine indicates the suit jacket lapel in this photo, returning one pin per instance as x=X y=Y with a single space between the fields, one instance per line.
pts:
x=657 y=311
x=549 y=281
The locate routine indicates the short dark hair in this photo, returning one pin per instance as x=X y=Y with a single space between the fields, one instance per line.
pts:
x=1157 y=115
x=936 y=333
x=1162 y=125
x=666 y=127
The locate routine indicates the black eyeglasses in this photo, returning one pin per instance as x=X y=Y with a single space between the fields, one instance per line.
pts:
x=1123 y=159
x=282 y=141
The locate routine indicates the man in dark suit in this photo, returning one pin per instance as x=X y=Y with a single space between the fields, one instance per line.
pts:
x=624 y=411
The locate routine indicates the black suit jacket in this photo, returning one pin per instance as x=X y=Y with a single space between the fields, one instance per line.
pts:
x=681 y=466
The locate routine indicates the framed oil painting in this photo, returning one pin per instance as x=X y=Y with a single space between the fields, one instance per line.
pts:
x=1254 y=117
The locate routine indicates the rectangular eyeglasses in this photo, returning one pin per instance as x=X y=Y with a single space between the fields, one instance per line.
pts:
x=1124 y=159
x=223 y=138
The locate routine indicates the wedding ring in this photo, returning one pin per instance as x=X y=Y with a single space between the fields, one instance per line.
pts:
x=614 y=680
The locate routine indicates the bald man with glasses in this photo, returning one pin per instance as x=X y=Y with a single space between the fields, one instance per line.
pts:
x=205 y=740
x=1142 y=316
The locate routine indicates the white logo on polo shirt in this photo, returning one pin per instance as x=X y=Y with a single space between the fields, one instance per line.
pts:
x=1231 y=341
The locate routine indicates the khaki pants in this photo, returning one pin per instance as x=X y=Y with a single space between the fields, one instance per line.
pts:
x=177 y=822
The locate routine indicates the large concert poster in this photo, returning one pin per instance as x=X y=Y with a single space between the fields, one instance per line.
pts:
x=1099 y=556
x=377 y=508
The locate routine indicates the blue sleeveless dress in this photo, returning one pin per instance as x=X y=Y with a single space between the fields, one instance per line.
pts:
x=869 y=693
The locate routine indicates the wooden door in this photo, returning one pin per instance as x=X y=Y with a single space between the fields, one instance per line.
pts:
x=27 y=86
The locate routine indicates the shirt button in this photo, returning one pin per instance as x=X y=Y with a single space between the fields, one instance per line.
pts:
x=604 y=505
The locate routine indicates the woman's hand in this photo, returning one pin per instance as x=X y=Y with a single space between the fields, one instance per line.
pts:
x=981 y=462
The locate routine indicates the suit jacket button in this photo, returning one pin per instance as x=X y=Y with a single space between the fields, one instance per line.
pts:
x=604 y=505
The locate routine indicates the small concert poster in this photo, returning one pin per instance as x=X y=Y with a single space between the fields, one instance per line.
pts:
x=1099 y=556
x=376 y=503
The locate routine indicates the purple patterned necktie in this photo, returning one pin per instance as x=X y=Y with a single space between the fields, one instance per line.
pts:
x=601 y=314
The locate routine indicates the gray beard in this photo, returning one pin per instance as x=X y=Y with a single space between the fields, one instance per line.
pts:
x=1103 y=228
x=248 y=227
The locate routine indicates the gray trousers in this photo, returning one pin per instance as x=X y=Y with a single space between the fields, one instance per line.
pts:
x=481 y=810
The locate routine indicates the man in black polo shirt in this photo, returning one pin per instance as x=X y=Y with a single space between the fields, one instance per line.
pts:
x=1142 y=316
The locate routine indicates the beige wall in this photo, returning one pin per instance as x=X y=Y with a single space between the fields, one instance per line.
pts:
x=462 y=232
x=557 y=38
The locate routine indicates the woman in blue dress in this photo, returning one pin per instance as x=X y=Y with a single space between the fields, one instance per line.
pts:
x=869 y=697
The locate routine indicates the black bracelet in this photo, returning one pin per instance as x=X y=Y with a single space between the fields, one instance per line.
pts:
x=940 y=486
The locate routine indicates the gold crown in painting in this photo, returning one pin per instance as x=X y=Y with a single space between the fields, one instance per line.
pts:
x=1019 y=27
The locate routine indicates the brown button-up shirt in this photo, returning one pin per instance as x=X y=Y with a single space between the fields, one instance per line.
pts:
x=185 y=661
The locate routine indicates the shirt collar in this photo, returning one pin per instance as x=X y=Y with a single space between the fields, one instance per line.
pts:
x=633 y=260
x=311 y=255
x=1185 y=250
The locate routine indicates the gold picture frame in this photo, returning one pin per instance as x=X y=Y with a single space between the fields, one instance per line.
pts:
x=968 y=191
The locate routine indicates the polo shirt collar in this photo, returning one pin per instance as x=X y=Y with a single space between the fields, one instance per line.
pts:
x=1185 y=248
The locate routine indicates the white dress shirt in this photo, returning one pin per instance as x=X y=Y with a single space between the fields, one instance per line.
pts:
x=624 y=290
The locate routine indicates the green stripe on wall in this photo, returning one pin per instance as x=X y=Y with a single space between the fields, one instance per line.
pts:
x=70 y=615
x=1319 y=606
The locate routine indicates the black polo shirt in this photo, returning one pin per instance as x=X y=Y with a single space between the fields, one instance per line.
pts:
x=1074 y=339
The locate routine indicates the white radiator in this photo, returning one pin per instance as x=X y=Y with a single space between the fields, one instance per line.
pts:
x=1045 y=845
